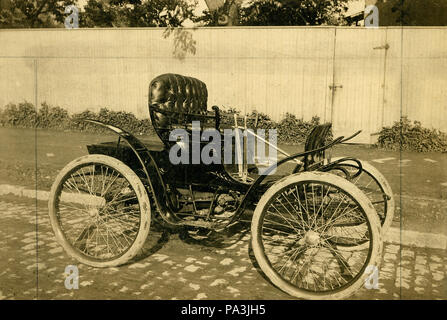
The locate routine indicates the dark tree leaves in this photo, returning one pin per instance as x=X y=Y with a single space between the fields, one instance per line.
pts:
x=293 y=12
x=34 y=14
x=412 y=12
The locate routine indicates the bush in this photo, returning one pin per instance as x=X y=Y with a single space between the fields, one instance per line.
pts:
x=264 y=121
x=22 y=115
x=291 y=130
x=52 y=117
x=294 y=130
x=227 y=118
x=125 y=120
x=122 y=119
x=77 y=123
x=404 y=135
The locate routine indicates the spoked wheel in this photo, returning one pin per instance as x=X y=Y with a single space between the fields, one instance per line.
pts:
x=99 y=211
x=305 y=234
x=374 y=185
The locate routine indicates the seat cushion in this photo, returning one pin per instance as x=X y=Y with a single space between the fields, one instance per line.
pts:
x=170 y=95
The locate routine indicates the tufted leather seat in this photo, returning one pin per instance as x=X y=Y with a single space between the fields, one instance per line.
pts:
x=172 y=97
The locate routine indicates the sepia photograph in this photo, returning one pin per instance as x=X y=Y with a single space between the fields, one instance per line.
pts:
x=235 y=151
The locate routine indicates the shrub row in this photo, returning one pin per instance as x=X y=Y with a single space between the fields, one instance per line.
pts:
x=290 y=129
x=402 y=135
x=405 y=135
x=24 y=115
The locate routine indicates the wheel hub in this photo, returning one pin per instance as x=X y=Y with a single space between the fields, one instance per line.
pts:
x=93 y=212
x=312 y=238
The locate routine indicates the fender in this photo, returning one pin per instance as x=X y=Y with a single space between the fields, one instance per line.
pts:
x=150 y=168
x=334 y=164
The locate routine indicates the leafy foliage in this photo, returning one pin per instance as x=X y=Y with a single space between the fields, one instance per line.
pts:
x=404 y=135
x=293 y=12
x=170 y=14
x=24 y=115
x=122 y=119
x=173 y=15
x=291 y=130
x=34 y=14
x=225 y=15
x=412 y=12
x=294 y=130
x=278 y=13
x=183 y=41
x=52 y=117
x=135 y=13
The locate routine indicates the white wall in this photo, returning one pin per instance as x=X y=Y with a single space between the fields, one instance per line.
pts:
x=273 y=70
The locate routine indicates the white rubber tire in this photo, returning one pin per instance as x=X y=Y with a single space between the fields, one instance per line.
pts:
x=357 y=194
x=381 y=180
x=137 y=185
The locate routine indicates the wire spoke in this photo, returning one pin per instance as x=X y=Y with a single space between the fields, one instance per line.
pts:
x=105 y=230
x=320 y=253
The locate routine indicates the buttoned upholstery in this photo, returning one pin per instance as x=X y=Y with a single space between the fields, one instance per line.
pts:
x=171 y=96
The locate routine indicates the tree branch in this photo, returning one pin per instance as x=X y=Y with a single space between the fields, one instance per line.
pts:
x=34 y=16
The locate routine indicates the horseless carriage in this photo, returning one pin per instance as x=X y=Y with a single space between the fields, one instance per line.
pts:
x=314 y=230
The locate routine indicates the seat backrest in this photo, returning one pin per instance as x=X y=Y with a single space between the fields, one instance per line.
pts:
x=316 y=139
x=175 y=101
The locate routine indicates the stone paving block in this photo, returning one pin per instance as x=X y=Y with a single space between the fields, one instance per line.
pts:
x=392 y=248
x=421 y=259
x=421 y=269
x=194 y=272
x=434 y=267
x=406 y=253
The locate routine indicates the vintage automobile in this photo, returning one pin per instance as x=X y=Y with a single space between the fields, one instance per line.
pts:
x=316 y=230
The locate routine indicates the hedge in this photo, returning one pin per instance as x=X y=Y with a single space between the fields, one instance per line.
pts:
x=402 y=135
x=405 y=135
x=290 y=129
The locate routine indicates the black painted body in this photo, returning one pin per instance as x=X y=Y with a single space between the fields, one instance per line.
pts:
x=188 y=189
x=204 y=177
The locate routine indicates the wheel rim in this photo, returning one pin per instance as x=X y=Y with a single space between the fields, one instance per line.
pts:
x=305 y=228
x=368 y=184
x=104 y=225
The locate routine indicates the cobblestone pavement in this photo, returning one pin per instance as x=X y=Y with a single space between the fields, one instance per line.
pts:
x=176 y=267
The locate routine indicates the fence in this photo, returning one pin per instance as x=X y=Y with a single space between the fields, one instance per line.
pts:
x=357 y=78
